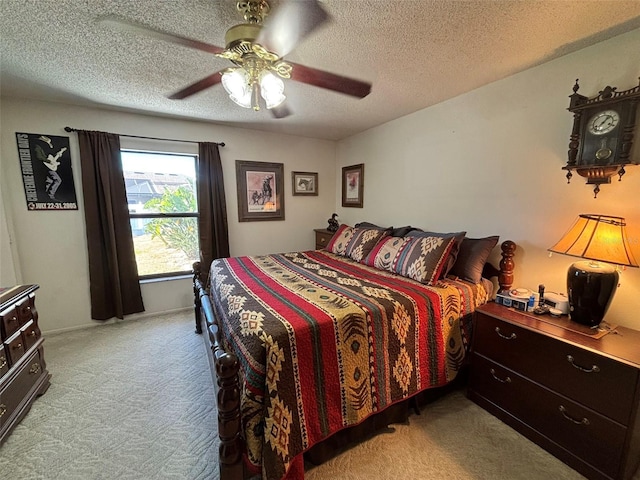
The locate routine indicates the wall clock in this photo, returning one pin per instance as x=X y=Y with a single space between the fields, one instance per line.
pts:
x=602 y=137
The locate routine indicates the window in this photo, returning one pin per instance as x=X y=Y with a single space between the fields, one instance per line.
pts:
x=161 y=195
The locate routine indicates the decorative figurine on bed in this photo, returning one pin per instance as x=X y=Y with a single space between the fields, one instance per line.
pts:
x=333 y=223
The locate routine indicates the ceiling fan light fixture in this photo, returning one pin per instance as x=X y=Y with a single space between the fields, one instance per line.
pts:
x=236 y=83
x=271 y=89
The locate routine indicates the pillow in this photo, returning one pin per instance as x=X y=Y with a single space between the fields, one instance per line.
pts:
x=395 y=232
x=355 y=243
x=472 y=256
x=419 y=258
x=384 y=253
x=458 y=236
x=424 y=258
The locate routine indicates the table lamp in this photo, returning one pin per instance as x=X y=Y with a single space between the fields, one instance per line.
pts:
x=591 y=284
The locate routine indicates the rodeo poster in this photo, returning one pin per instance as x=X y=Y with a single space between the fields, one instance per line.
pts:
x=45 y=162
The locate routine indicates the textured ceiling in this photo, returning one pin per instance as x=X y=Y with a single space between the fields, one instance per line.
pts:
x=416 y=53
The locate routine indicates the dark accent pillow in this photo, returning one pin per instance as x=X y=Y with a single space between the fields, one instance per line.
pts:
x=472 y=256
x=402 y=231
x=453 y=255
x=395 y=232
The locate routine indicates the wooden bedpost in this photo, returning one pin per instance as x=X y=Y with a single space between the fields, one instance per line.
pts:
x=229 y=422
x=505 y=278
x=196 y=295
x=225 y=367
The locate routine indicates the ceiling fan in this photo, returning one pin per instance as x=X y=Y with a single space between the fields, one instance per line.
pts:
x=256 y=49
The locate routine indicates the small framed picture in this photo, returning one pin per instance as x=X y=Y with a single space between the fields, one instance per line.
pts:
x=353 y=186
x=304 y=183
x=260 y=191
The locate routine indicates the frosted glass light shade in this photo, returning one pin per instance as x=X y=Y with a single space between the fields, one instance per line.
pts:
x=271 y=89
x=236 y=84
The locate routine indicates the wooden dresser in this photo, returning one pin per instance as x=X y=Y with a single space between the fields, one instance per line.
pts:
x=323 y=236
x=574 y=395
x=23 y=372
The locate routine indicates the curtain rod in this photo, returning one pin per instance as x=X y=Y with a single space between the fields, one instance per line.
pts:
x=69 y=129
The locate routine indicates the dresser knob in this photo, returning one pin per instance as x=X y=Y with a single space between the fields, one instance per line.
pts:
x=510 y=337
x=35 y=369
x=3 y=362
x=17 y=346
x=584 y=421
x=32 y=333
x=3 y=409
x=593 y=369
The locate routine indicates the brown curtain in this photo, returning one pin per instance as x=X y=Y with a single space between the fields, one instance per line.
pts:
x=214 y=232
x=113 y=273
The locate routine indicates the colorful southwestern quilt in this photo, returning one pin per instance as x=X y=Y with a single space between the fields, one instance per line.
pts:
x=324 y=342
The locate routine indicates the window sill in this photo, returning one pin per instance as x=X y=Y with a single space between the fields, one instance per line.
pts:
x=165 y=279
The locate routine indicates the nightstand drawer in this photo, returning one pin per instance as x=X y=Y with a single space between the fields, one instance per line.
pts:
x=323 y=238
x=577 y=429
x=571 y=371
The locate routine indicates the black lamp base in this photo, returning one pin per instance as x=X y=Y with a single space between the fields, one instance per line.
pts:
x=590 y=286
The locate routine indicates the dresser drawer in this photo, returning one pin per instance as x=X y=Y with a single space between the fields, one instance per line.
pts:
x=569 y=370
x=30 y=334
x=9 y=322
x=14 y=346
x=4 y=360
x=577 y=429
x=26 y=309
x=14 y=393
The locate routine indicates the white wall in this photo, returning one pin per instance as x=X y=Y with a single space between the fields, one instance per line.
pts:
x=50 y=247
x=489 y=162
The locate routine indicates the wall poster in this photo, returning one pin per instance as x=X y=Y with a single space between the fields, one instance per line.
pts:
x=45 y=162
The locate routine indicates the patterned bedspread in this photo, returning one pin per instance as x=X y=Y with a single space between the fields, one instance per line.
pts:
x=324 y=342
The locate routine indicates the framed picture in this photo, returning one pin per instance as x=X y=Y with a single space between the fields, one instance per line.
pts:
x=304 y=183
x=260 y=191
x=353 y=185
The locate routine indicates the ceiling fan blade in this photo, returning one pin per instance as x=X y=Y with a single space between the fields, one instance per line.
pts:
x=128 y=26
x=330 y=81
x=290 y=24
x=281 y=111
x=200 y=85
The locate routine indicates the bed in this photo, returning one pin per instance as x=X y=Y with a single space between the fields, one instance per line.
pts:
x=307 y=346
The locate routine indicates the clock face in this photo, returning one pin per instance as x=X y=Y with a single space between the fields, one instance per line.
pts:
x=603 y=122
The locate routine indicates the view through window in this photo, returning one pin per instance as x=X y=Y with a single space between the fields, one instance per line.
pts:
x=161 y=196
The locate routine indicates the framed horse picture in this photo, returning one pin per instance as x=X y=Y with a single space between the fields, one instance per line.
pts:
x=260 y=191
x=304 y=183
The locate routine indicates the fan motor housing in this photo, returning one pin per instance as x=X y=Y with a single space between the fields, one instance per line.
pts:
x=244 y=32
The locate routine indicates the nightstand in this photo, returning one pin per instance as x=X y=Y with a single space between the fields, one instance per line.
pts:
x=323 y=236
x=574 y=395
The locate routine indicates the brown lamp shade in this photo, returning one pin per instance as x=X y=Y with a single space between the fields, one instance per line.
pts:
x=597 y=237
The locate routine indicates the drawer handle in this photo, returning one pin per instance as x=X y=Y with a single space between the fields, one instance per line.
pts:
x=584 y=421
x=35 y=369
x=17 y=346
x=3 y=409
x=510 y=337
x=593 y=369
x=505 y=380
x=32 y=333
x=3 y=362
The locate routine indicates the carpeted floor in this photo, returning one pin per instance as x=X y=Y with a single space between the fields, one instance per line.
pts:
x=134 y=400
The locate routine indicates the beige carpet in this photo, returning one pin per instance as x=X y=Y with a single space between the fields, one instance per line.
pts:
x=134 y=400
